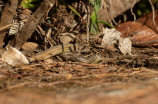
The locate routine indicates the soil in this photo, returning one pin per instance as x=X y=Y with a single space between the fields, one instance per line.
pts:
x=128 y=80
x=71 y=82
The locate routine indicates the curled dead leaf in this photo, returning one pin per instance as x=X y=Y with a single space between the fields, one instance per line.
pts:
x=125 y=45
x=137 y=32
x=148 y=20
x=110 y=36
x=13 y=57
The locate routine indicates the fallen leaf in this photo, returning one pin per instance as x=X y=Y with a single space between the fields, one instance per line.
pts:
x=137 y=32
x=110 y=36
x=125 y=45
x=13 y=57
x=148 y=20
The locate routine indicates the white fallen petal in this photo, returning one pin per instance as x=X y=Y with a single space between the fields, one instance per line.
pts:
x=13 y=57
x=125 y=45
x=110 y=36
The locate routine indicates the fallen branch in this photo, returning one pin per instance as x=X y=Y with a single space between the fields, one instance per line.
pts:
x=7 y=16
x=32 y=22
x=145 y=43
x=149 y=51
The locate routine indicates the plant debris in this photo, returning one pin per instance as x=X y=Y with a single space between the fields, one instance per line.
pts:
x=49 y=54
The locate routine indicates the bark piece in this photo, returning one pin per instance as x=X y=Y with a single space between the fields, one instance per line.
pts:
x=7 y=16
x=32 y=23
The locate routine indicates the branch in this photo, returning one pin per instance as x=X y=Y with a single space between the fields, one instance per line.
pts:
x=32 y=22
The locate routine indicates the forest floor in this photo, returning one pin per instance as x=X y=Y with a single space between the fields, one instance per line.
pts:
x=118 y=79
x=79 y=83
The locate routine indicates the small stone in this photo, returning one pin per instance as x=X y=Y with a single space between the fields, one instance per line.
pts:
x=29 y=46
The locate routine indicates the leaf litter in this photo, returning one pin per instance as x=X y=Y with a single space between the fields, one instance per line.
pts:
x=54 y=70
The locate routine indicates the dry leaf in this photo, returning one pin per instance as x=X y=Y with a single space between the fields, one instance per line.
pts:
x=29 y=46
x=137 y=32
x=125 y=45
x=13 y=57
x=148 y=20
x=110 y=36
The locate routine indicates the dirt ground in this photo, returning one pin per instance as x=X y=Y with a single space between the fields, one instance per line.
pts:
x=79 y=83
x=49 y=79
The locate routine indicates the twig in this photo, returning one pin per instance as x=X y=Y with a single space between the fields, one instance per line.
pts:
x=107 y=13
x=126 y=64
x=7 y=26
x=145 y=43
x=112 y=16
x=148 y=51
x=88 y=19
x=33 y=22
x=145 y=57
x=7 y=17
x=132 y=11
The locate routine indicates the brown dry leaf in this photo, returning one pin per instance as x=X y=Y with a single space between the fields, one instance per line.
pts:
x=14 y=57
x=29 y=46
x=148 y=20
x=137 y=32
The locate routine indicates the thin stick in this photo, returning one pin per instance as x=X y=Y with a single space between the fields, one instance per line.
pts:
x=154 y=42
x=7 y=26
x=126 y=64
x=112 y=16
x=134 y=16
x=88 y=18
x=107 y=13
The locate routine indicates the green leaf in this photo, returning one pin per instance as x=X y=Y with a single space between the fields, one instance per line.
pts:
x=94 y=23
x=106 y=24
x=28 y=6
